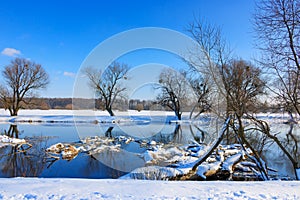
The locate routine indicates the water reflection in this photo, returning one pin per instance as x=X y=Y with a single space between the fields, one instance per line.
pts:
x=198 y=137
x=37 y=162
x=108 y=132
x=278 y=146
x=287 y=142
x=281 y=153
x=33 y=161
x=12 y=131
x=24 y=160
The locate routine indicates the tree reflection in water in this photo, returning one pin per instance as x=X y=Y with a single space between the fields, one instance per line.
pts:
x=285 y=141
x=108 y=132
x=288 y=143
x=198 y=137
x=24 y=160
x=281 y=148
x=276 y=148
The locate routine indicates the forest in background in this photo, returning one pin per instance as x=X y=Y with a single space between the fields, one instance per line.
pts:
x=122 y=105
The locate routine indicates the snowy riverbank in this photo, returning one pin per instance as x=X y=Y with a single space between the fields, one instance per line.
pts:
x=92 y=116
x=78 y=116
x=39 y=188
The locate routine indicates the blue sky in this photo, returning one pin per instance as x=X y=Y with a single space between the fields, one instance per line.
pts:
x=61 y=34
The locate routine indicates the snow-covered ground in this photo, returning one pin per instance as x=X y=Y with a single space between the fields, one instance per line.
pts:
x=35 y=188
x=89 y=116
x=70 y=116
x=58 y=112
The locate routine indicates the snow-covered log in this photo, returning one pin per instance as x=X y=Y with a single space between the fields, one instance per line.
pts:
x=213 y=146
x=229 y=163
x=208 y=170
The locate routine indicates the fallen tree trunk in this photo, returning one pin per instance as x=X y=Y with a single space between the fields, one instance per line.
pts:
x=213 y=146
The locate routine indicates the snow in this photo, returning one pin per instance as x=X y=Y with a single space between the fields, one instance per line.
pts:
x=79 y=116
x=6 y=139
x=153 y=173
x=208 y=169
x=229 y=162
x=37 y=188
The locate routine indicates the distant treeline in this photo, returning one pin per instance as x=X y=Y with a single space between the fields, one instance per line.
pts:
x=81 y=103
x=133 y=104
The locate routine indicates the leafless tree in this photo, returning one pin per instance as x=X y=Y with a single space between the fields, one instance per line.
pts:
x=107 y=83
x=21 y=78
x=277 y=25
x=234 y=84
x=202 y=92
x=174 y=90
x=205 y=58
x=243 y=84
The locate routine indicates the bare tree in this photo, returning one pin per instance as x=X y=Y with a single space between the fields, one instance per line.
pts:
x=21 y=78
x=205 y=58
x=202 y=91
x=107 y=84
x=174 y=90
x=277 y=24
x=243 y=84
x=234 y=84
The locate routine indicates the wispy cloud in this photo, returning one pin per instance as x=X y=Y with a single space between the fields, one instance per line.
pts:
x=70 y=74
x=10 y=52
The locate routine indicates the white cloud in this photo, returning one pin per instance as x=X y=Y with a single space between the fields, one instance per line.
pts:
x=10 y=52
x=70 y=74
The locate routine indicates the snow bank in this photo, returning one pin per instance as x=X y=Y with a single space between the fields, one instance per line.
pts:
x=10 y=140
x=79 y=116
x=5 y=141
x=52 y=112
x=35 y=188
x=95 y=116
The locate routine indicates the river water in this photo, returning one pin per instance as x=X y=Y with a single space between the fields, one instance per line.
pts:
x=35 y=162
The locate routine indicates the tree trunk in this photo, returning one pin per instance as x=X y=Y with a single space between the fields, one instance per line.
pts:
x=178 y=114
x=109 y=110
x=256 y=158
x=15 y=112
x=192 y=111
x=10 y=112
x=213 y=146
